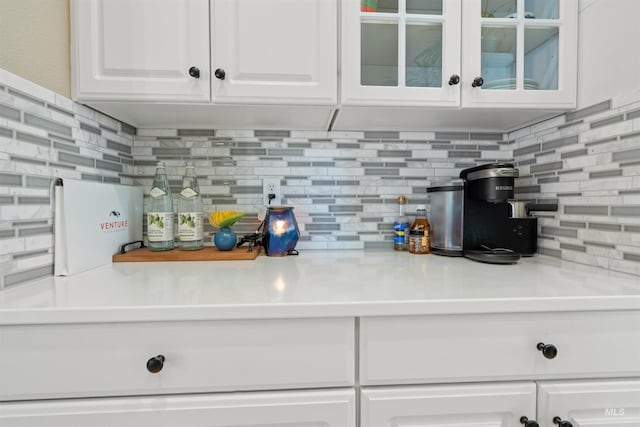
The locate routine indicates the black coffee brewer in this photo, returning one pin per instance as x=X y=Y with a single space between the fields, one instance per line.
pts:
x=497 y=229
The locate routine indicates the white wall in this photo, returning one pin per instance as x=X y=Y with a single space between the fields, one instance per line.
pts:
x=34 y=41
x=608 y=49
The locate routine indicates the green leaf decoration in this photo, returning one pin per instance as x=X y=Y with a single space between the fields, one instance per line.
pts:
x=228 y=222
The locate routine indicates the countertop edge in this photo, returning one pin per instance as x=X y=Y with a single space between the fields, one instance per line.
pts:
x=35 y=316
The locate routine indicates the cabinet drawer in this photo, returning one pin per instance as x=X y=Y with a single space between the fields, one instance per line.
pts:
x=44 y=361
x=612 y=403
x=431 y=349
x=496 y=405
x=331 y=408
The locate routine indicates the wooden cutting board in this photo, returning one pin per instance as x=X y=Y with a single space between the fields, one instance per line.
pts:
x=208 y=253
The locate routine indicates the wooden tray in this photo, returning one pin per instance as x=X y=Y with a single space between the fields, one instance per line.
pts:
x=208 y=253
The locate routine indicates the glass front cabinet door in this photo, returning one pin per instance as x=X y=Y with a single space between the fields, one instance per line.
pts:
x=499 y=54
x=401 y=52
x=519 y=53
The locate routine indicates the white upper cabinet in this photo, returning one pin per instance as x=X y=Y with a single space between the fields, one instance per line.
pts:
x=507 y=53
x=401 y=52
x=278 y=51
x=261 y=52
x=137 y=50
x=523 y=52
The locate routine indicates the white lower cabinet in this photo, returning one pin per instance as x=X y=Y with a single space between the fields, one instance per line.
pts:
x=576 y=403
x=331 y=408
x=464 y=405
x=600 y=403
x=579 y=369
x=574 y=369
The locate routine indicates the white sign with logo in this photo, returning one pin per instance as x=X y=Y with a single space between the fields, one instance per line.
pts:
x=92 y=221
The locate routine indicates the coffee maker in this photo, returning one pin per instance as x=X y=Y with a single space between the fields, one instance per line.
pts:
x=495 y=228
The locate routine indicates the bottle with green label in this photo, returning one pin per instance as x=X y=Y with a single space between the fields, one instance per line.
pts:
x=190 y=226
x=160 y=213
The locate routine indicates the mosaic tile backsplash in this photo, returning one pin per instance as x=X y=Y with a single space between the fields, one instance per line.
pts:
x=588 y=161
x=343 y=185
x=44 y=135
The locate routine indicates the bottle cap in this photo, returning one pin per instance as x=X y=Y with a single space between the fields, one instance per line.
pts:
x=402 y=200
x=421 y=208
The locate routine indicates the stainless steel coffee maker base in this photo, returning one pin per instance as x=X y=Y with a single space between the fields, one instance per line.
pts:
x=447 y=206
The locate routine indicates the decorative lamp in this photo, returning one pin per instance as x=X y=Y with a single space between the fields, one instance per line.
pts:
x=281 y=232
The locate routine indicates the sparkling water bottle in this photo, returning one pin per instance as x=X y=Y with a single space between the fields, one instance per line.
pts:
x=160 y=213
x=190 y=226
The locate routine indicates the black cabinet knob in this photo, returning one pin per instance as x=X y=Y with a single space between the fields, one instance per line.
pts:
x=155 y=364
x=219 y=73
x=477 y=82
x=454 y=79
x=560 y=423
x=527 y=422
x=194 y=72
x=548 y=350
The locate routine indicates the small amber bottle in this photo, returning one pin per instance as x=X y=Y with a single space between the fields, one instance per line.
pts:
x=419 y=233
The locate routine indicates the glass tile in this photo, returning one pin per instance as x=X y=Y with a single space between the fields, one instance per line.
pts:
x=498 y=8
x=499 y=57
x=541 y=58
x=380 y=6
x=425 y=7
x=424 y=55
x=541 y=9
x=379 y=54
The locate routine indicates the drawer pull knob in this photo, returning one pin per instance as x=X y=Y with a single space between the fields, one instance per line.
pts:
x=220 y=74
x=155 y=364
x=477 y=82
x=527 y=422
x=194 y=72
x=548 y=350
x=560 y=423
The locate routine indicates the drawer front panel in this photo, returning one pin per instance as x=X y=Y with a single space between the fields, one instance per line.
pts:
x=301 y=409
x=495 y=405
x=593 y=403
x=432 y=349
x=44 y=361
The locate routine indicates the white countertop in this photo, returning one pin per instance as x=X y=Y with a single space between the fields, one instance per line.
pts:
x=317 y=284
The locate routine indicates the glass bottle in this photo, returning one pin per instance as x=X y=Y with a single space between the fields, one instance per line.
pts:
x=190 y=225
x=160 y=212
x=401 y=227
x=419 y=234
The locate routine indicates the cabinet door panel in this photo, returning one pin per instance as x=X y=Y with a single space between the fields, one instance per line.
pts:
x=141 y=50
x=400 y=53
x=472 y=405
x=290 y=409
x=605 y=403
x=526 y=53
x=275 y=52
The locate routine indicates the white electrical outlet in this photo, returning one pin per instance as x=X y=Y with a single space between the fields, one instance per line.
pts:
x=271 y=186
